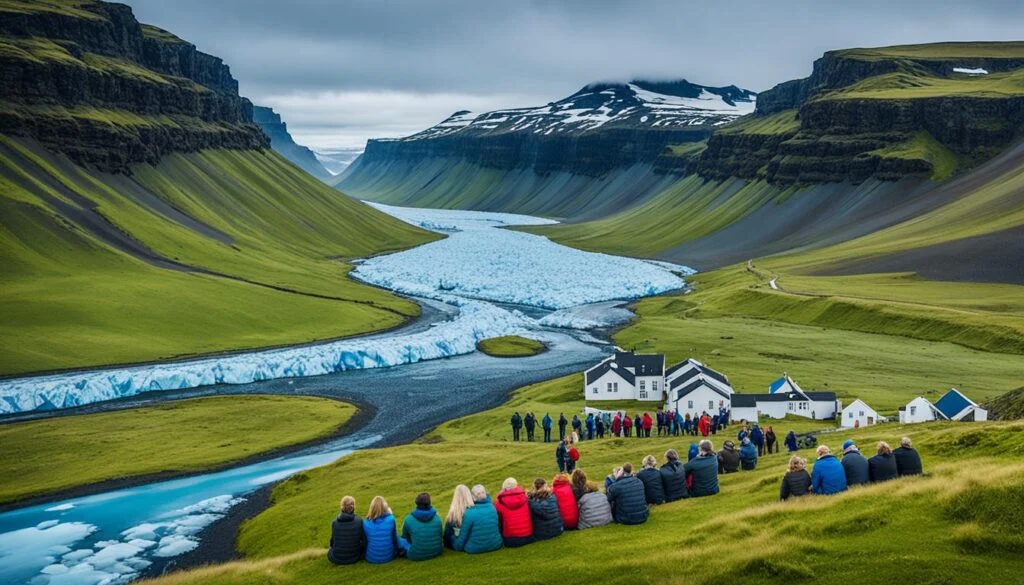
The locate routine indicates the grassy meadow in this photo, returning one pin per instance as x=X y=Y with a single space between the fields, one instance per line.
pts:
x=510 y=346
x=61 y=453
x=963 y=511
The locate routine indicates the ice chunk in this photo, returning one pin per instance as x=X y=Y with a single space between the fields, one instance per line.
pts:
x=970 y=71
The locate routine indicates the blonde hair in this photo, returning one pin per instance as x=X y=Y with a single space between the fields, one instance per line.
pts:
x=823 y=450
x=796 y=463
x=510 y=484
x=650 y=461
x=378 y=508
x=884 y=448
x=348 y=505
x=905 y=442
x=461 y=500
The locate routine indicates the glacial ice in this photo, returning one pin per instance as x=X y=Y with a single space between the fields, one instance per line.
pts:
x=475 y=264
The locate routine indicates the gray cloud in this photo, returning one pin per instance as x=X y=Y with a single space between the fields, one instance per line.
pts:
x=320 y=61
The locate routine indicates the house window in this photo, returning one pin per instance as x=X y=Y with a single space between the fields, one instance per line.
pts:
x=643 y=385
x=654 y=385
x=711 y=404
x=791 y=406
x=609 y=387
x=913 y=410
x=643 y=393
x=689 y=404
x=850 y=415
x=615 y=387
x=593 y=390
x=861 y=413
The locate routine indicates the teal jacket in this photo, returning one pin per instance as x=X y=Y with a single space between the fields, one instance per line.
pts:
x=421 y=535
x=480 y=532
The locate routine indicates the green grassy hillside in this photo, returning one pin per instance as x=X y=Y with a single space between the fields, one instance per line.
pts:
x=963 y=512
x=510 y=346
x=190 y=435
x=204 y=252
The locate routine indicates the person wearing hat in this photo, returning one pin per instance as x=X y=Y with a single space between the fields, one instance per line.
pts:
x=421 y=531
x=729 y=458
x=748 y=455
x=855 y=465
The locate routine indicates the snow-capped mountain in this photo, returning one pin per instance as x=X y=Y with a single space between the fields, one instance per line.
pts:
x=633 y=105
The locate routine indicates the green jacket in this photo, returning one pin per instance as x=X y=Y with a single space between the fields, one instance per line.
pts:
x=422 y=531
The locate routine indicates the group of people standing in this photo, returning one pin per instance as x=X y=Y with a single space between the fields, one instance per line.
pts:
x=517 y=517
x=620 y=424
x=832 y=475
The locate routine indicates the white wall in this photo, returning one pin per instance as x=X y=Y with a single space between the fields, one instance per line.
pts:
x=772 y=409
x=700 y=399
x=826 y=409
x=601 y=384
x=917 y=410
x=748 y=413
x=649 y=383
x=858 y=412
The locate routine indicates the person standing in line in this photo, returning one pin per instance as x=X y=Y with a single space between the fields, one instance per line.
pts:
x=545 y=424
x=562 y=423
x=687 y=423
x=531 y=423
x=517 y=423
x=599 y=423
x=648 y=423
x=617 y=424
x=659 y=416
x=704 y=426
x=589 y=423
x=562 y=455
x=627 y=425
x=908 y=461
x=714 y=424
x=607 y=418
x=791 y=442
x=757 y=438
x=577 y=425
x=571 y=458
x=770 y=440
x=679 y=423
x=638 y=426
x=797 y=482
x=882 y=467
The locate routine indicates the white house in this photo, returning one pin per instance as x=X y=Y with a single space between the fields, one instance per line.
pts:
x=690 y=369
x=956 y=407
x=919 y=410
x=859 y=414
x=626 y=376
x=785 y=397
x=701 y=391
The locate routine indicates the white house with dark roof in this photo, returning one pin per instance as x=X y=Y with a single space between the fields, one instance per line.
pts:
x=784 y=397
x=858 y=414
x=956 y=407
x=919 y=410
x=626 y=376
x=694 y=389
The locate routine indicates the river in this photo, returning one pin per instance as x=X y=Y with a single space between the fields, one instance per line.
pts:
x=480 y=281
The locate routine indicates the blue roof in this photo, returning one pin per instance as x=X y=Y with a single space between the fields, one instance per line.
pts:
x=952 y=403
x=776 y=385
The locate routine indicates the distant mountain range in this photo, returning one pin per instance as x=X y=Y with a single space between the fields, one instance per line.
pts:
x=281 y=141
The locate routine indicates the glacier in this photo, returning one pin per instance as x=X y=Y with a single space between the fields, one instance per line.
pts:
x=478 y=264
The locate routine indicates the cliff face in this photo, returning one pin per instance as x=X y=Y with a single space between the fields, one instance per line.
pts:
x=282 y=142
x=926 y=110
x=90 y=81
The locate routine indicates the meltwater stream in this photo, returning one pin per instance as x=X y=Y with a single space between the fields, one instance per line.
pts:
x=481 y=282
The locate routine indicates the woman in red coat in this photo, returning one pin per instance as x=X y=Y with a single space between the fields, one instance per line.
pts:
x=616 y=425
x=562 y=488
x=647 y=424
x=627 y=424
x=704 y=426
x=514 y=514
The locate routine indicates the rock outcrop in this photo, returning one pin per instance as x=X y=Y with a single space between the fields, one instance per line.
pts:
x=282 y=142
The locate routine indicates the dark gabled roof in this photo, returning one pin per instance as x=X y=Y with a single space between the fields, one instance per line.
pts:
x=952 y=403
x=697 y=371
x=697 y=384
x=594 y=374
x=821 y=396
x=775 y=397
x=700 y=368
x=643 y=364
x=676 y=367
x=714 y=374
x=744 y=400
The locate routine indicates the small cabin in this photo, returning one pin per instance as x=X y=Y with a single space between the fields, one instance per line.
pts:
x=858 y=414
x=956 y=407
x=919 y=410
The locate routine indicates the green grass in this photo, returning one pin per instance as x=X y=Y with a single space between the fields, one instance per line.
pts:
x=903 y=85
x=69 y=300
x=157 y=33
x=687 y=149
x=181 y=436
x=784 y=122
x=951 y=514
x=510 y=346
x=942 y=51
x=923 y=146
x=61 y=7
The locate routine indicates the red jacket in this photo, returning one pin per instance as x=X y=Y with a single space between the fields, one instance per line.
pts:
x=627 y=423
x=616 y=425
x=704 y=426
x=514 y=514
x=567 y=506
x=647 y=422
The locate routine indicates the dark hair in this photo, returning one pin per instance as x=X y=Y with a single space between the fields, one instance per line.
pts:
x=672 y=455
x=540 y=490
x=627 y=468
x=423 y=501
x=579 y=480
x=538 y=483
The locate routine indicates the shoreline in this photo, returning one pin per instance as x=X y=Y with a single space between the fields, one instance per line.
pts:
x=365 y=413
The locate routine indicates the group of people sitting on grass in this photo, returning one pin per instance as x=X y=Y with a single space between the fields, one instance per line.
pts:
x=517 y=517
x=832 y=476
x=620 y=424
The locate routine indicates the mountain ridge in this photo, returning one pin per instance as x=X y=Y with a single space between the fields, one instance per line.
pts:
x=281 y=141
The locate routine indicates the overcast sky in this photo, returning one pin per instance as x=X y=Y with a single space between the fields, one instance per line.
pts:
x=342 y=71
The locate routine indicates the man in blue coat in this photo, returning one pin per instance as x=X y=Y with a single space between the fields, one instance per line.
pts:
x=545 y=423
x=828 y=476
x=757 y=438
x=590 y=427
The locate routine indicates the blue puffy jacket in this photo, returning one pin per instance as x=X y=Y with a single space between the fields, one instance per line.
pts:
x=692 y=452
x=748 y=456
x=828 y=476
x=381 y=539
x=480 y=532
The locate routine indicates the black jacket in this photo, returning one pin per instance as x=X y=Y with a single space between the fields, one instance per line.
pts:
x=348 y=541
x=530 y=421
x=908 y=461
x=547 y=521
x=728 y=461
x=856 y=467
x=653 y=490
x=882 y=467
x=629 y=504
x=673 y=481
x=795 y=483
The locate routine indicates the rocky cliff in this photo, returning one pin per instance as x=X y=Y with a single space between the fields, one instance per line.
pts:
x=282 y=142
x=88 y=80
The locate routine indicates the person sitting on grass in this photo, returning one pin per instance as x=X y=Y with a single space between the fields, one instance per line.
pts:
x=514 y=515
x=610 y=478
x=579 y=483
x=797 y=482
x=562 y=488
x=827 y=477
x=882 y=467
x=544 y=514
x=908 y=461
x=654 y=491
x=421 y=531
x=594 y=508
x=673 y=477
x=748 y=455
x=348 y=539
x=729 y=458
x=627 y=499
x=381 y=536
x=480 y=532
x=855 y=465
x=692 y=452
x=462 y=500
x=703 y=470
